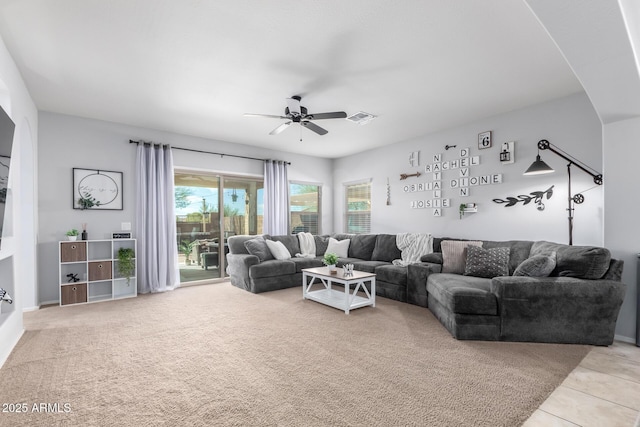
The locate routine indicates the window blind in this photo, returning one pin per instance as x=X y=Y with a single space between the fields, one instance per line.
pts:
x=358 y=208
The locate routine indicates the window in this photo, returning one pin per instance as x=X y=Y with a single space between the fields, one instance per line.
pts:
x=304 y=207
x=358 y=203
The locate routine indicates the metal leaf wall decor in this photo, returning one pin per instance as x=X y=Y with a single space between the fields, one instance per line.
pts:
x=535 y=196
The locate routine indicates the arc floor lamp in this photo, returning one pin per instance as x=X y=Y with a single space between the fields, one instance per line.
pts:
x=539 y=167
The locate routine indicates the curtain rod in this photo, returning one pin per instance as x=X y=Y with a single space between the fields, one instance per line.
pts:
x=206 y=152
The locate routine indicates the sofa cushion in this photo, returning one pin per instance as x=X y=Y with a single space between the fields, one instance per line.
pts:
x=537 y=266
x=454 y=255
x=272 y=268
x=342 y=261
x=362 y=246
x=258 y=247
x=434 y=258
x=487 y=263
x=584 y=262
x=321 y=244
x=291 y=242
x=463 y=294
x=301 y=263
x=236 y=244
x=395 y=274
x=368 y=266
x=338 y=247
x=386 y=248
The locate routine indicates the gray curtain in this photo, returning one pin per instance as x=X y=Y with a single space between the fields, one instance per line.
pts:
x=157 y=255
x=276 y=198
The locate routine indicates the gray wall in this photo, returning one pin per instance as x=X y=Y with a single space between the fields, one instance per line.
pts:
x=570 y=123
x=68 y=142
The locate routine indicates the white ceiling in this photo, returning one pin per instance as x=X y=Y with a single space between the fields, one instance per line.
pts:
x=195 y=66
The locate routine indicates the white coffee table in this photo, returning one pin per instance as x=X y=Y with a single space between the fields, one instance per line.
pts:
x=343 y=300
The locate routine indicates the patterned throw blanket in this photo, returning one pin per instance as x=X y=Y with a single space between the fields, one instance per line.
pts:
x=307 y=245
x=413 y=246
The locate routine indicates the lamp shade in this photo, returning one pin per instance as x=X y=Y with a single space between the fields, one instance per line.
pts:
x=538 y=167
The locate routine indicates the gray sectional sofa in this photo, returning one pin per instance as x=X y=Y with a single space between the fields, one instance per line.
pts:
x=578 y=302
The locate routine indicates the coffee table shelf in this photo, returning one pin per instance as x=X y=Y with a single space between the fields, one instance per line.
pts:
x=342 y=300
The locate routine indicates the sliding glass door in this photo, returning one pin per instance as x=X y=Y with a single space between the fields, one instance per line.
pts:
x=203 y=227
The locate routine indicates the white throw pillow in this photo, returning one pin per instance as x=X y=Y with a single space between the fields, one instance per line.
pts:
x=278 y=250
x=338 y=247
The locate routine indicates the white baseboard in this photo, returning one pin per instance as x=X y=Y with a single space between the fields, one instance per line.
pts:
x=49 y=302
x=624 y=339
x=26 y=309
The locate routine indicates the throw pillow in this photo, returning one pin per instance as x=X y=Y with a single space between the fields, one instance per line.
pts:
x=537 y=266
x=258 y=247
x=278 y=250
x=583 y=262
x=487 y=263
x=338 y=247
x=454 y=255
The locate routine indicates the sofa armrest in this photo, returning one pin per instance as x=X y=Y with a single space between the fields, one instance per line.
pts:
x=558 y=309
x=417 y=275
x=238 y=269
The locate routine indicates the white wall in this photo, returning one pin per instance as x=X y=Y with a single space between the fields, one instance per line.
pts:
x=68 y=142
x=622 y=226
x=570 y=123
x=17 y=255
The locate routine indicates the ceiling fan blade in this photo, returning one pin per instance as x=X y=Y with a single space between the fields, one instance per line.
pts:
x=294 y=105
x=269 y=116
x=317 y=129
x=280 y=128
x=333 y=115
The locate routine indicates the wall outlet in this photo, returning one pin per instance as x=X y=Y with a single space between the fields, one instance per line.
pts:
x=126 y=226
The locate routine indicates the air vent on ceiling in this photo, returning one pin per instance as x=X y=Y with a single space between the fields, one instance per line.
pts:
x=361 y=117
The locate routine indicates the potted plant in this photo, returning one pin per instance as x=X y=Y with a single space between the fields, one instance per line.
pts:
x=72 y=234
x=126 y=263
x=87 y=201
x=330 y=260
x=185 y=248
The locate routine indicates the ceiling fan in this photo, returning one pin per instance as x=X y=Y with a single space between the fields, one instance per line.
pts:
x=296 y=113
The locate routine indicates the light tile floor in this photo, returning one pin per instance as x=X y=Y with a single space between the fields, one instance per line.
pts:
x=603 y=391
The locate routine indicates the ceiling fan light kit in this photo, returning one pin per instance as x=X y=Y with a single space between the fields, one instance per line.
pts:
x=296 y=113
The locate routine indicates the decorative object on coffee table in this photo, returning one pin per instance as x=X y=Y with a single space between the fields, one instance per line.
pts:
x=330 y=260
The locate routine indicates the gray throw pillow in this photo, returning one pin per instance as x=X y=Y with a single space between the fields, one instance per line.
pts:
x=259 y=248
x=583 y=262
x=537 y=266
x=435 y=258
x=454 y=255
x=487 y=263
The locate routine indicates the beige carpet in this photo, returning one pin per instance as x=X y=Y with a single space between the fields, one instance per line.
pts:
x=217 y=355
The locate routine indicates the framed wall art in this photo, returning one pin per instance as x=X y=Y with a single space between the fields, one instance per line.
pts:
x=97 y=189
x=484 y=140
